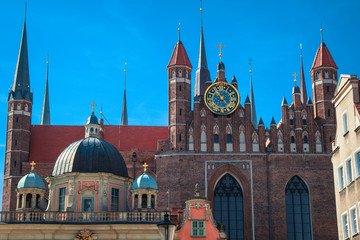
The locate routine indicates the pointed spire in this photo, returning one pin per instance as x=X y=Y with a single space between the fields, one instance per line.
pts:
x=21 y=85
x=261 y=122
x=309 y=102
x=247 y=100
x=284 y=102
x=45 y=114
x=202 y=74
x=303 y=96
x=179 y=56
x=323 y=57
x=233 y=80
x=252 y=99
x=124 y=117
x=272 y=121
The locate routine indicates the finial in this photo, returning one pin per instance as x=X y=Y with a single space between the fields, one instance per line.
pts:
x=47 y=61
x=322 y=37
x=201 y=9
x=92 y=105
x=179 y=30
x=295 y=75
x=101 y=109
x=300 y=49
x=145 y=166
x=220 y=47
x=125 y=66
x=250 y=60
x=32 y=165
x=25 y=9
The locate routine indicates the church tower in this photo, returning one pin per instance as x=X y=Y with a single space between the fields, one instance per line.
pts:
x=179 y=87
x=18 y=126
x=324 y=81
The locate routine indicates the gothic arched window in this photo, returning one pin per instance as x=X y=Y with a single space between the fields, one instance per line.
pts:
x=298 y=218
x=229 y=206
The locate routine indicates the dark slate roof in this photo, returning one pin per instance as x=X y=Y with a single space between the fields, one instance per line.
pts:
x=296 y=90
x=247 y=100
x=124 y=117
x=92 y=119
x=21 y=86
x=261 y=122
x=90 y=155
x=284 y=102
x=234 y=79
x=309 y=101
x=221 y=66
x=273 y=121
x=45 y=114
x=302 y=83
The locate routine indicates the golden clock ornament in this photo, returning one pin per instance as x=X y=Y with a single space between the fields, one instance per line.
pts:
x=222 y=98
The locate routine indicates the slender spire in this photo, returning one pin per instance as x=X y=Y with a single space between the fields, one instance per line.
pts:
x=202 y=74
x=45 y=114
x=20 y=89
x=303 y=96
x=252 y=99
x=179 y=31
x=124 y=117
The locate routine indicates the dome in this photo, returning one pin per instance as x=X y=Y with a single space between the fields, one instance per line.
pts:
x=144 y=181
x=296 y=89
x=221 y=66
x=90 y=155
x=31 y=180
x=92 y=119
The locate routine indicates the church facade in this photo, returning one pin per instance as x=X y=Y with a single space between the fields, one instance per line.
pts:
x=258 y=182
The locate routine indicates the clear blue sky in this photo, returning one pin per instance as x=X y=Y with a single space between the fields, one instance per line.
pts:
x=89 y=40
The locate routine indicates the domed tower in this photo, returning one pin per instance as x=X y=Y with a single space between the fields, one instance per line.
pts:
x=144 y=192
x=30 y=192
x=89 y=175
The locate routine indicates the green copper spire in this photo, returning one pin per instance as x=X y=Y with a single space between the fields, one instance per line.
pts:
x=45 y=114
x=124 y=117
x=252 y=100
x=20 y=89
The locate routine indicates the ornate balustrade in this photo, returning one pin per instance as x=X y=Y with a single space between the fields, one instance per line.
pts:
x=82 y=217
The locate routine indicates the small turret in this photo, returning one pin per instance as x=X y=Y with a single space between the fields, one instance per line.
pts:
x=92 y=126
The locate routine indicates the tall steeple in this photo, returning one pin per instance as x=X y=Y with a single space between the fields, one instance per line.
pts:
x=252 y=100
x=303 y=96
x=20 y=89
x=202 y=73
x=124 y=117
x=45 y=114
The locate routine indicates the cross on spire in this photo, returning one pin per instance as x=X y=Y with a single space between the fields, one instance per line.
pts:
x=145 y=166
x=32 y=165
x=295 y=75
x=92 y=105
x=220 y=47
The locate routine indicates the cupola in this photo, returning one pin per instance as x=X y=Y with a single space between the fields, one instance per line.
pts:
x=92 y=126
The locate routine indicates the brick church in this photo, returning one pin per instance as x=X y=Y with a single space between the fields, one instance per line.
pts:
x=262 y=182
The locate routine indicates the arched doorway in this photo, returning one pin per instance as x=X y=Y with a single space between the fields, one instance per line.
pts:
x=298 y=217
x=229 y=206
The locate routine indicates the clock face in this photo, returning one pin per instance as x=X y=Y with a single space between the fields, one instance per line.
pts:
x=222 y=98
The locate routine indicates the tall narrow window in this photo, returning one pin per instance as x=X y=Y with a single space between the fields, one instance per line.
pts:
x=353 y=220
x=349 y=174
x=344 y=122
x=298 y=219
x=228 y=138
x=229 y=206
x=345 y=225
x=216 y=138
x=292 y=139
x=62 y=194
x=357 y=165
x=305 y=139
x=341 y=177
x=114 y=200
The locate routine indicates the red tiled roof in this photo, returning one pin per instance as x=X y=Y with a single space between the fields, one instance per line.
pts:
x=179 y=56
x=323 y=58
x=48 y=141
x=357 y=106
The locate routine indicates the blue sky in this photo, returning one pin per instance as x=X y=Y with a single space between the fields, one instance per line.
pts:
x=88 y=42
